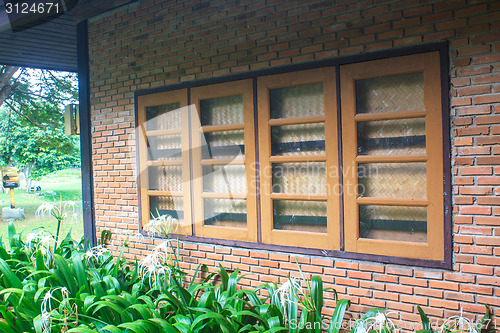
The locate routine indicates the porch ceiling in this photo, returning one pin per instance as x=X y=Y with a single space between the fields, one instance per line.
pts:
x=51 y=45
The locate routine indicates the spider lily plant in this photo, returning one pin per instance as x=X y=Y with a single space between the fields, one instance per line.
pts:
x=60 y=211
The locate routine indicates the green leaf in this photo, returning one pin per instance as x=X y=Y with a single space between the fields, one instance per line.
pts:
x=317 y=294
x=11 y=230
x=9 y=277
x=139 y=326
x=338 y=315
x=111 y=329
x=69 y=280
x=80 y=273
x=425 y=320
x=163 y=325
x=225 y=325
x=485 y=318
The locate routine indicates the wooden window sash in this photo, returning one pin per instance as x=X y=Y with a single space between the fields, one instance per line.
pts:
x=429 y=64
x=331 y=239
x=177 y=96
x=245 y=88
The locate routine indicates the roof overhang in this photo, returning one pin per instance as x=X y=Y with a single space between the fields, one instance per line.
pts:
x=48 y=43
x=52 y=44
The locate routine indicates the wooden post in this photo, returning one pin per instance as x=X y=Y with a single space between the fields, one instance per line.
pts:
x=12 y=202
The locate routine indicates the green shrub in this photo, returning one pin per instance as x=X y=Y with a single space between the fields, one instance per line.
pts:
x=47 y=286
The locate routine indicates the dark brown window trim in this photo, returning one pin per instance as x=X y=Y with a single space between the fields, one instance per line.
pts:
x=443 y=49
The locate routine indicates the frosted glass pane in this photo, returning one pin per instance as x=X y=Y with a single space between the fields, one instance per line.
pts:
x=163 y=205
x=393 y=223
x=308 y=216
x=393 y=180
x=298 y=101
x=224 y=179
x=222 y=110
x=305 y=139
x=162 y=117
x=301 y=178
x=225 y=212
x=164 y=147
x=226 y=144
x=165 y=178
x=402 y=136
x=390 y=93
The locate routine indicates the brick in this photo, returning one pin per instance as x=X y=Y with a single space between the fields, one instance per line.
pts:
x=488 y=140
x=483 y=270
x=422 y=301
x=459 y=277
x=464 y=171
x=428 y=292
x=489 y=280
x=399 y=271
x=477 y=190
x=474 y=151
x=488 y=160
x=483 y=120
x=399 y=289
x=438 y=303
x=483 y=240
x=464 y=141
x=475 y=210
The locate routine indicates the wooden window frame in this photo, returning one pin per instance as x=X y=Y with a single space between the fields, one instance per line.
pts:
x=331 y=239
x=345 y=241
x=244 y=88
x=163 y=98
x=428 y=64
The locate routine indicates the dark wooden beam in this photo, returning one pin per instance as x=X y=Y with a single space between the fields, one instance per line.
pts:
x=89 y=231
x=90 y=8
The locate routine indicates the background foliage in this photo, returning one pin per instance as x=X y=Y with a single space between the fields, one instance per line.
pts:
x=31 y=120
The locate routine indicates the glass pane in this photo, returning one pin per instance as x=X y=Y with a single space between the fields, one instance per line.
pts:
x=226 y=212
x=302 y=178
x=227 y=144
x=299 y=101
x=300 y=215
x=166 y=206
x=406 y=136
x=222 y=110
x=162 y=117
x=407 y=224
x=390 y=93
x=305 y=139
x=224 y=179
x=164 y=147
x=165 y=178
x=393 y=180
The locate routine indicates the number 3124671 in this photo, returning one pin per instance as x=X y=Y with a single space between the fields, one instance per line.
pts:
x=32 y=8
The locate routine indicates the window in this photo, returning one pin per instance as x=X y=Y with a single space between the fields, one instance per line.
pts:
x=392 y=155
x=273 y=159
x=298 y=146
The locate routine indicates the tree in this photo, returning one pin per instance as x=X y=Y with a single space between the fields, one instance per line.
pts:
x=7 y=84
x=37 y=96
x=31 y=117
x=36 y=151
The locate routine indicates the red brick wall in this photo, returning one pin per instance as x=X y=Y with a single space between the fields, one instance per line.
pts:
x=157 y=43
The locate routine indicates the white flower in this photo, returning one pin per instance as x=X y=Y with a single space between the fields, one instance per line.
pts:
x=45 y=208
x=380 y=318
x=95 y=252
x=459 y=323
x=39 y=240
x=378 y=323
x=66 y=310
x=162 y=224
x=291 y=286
x=155 y=266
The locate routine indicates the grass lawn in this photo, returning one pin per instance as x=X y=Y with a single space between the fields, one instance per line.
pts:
x=63 y=185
